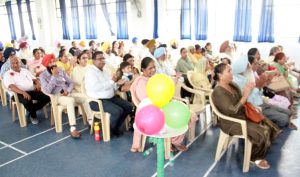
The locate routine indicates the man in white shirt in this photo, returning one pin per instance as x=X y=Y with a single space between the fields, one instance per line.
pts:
x=28 y=88
x=100 y=85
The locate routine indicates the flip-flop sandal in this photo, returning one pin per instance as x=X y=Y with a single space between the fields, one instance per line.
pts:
x=262 y=164
x=134 y=150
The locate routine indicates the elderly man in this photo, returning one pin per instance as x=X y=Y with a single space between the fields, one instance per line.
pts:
x=100 y=85
x=56 y=81
x=6 y=66
x=28 y=88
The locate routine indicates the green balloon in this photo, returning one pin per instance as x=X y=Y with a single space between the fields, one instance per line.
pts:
x=177 y=114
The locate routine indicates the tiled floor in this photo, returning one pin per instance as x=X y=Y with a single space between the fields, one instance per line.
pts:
x=37 y=151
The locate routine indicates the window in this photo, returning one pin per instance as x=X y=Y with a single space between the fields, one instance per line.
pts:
x=172 y=19
x=5 y=30
x=103 y=31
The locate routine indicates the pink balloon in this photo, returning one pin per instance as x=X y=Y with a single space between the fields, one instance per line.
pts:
x=150 y=120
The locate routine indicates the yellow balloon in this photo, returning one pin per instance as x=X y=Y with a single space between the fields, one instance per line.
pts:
x=160 y=89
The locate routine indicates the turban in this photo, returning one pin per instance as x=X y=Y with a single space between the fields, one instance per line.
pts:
x=134 y=40
x=173 y=42
x=224 y=46
x=159 y=52
x=105 y=46
x=1 y=45
x=8 y=51
x=47 y=58
x=23 y=45
x=8 y=44
x=240 y=64
x=82 y=43
x=151 y=43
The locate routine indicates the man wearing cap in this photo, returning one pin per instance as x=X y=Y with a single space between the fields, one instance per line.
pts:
x=28 y=88
x=100 y=85
x=55 y=81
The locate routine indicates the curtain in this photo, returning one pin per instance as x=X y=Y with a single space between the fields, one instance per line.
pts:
x=106 y=15
x=75 y=19
x=64 y=19
x=299 y=40
x=10 y=20
x=155 y=30
x=185 y=19
x=19 y=4
x=30 y=18
x=122 y=25
x=89 y=8
x=266 y=28
x=242 y=26
x=201 y=19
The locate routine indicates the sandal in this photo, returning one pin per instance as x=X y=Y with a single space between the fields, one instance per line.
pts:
x=134 y=150
x=292 y=126
x=262 y=164
x=181 y=147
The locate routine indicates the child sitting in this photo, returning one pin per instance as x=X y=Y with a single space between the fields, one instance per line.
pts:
x=125 y=73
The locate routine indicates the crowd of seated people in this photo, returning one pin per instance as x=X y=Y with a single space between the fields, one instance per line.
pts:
x=106 y=68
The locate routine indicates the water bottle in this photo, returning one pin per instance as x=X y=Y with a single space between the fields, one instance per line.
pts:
x=97 y=131
x=148 y=151
x=171 y=160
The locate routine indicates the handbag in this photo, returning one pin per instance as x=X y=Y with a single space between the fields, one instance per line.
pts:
x=252 y=114
x=268 y=92
x=279 y=84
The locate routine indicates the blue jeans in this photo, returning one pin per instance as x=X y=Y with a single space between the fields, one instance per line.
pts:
x=118 y=109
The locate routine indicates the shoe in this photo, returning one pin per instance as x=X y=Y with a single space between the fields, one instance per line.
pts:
x=34 y=121
x=75 y=134
x=116 y=133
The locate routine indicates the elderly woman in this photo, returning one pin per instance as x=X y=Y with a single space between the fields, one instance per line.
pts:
x=243 y=74
x=229 y=100
x=138 y=92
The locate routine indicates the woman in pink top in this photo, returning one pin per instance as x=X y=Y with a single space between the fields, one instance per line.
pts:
x=35 y=66
x=138 y=92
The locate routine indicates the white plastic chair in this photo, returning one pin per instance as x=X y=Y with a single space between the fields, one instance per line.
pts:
x=15 y=104
x=103 y=116
x=225 y=139
x=197 y=106
x=56 y=110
